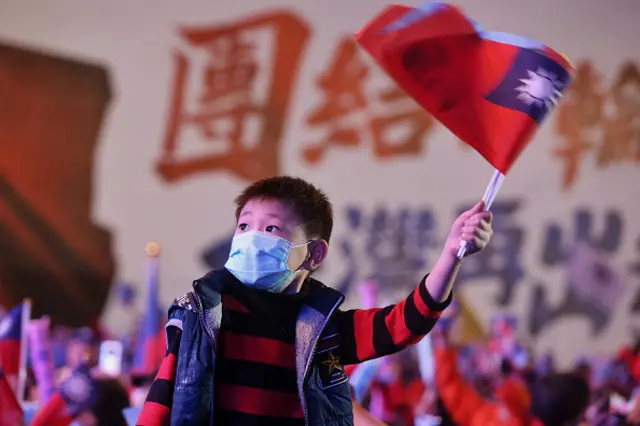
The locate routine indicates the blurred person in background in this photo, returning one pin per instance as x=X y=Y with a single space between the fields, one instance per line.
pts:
x=505 y=344
x=545 y=365
x=509 y=403
x=613 y=398
x=82 y=348
x=112 y=398
x=630 y=356
x=633 y=416
x=397 y=389
x=560 y=399
x=431 y=411
x=588 y=369
x=60 y=338
x=362 y=417
x=83 y=400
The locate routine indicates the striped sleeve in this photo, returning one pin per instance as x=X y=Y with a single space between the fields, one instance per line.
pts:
x=156 y=410
x=372 y=333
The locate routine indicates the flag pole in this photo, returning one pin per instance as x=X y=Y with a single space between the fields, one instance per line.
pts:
x=489 y=195
x=152 y=250
x=22 y=372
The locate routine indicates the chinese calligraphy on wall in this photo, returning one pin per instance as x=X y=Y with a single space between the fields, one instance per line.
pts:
x=233 y=88
x=396 y=246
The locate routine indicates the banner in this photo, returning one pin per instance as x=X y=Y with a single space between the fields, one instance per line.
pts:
x=124 y=126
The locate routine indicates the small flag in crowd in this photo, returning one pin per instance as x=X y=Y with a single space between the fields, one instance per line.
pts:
x=10 y=411
x=491 y=89
x=151 y=344
x=11 y=340
x=76 y=394
x=41 y=356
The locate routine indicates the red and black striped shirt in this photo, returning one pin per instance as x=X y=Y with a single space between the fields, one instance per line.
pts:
x=255 y=371
x=256 y=361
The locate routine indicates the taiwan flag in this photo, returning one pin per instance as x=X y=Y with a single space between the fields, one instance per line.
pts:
x=491 y=89
x=10 y=340
x=151 y=342
x=11 y=413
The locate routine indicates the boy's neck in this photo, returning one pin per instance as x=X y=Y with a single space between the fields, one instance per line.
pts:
x=296 y=284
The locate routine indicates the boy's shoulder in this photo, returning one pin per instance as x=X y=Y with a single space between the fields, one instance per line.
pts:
x=207 y=283
x=186 y=302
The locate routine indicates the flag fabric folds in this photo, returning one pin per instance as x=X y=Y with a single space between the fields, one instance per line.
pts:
x=10 y=411
x=10 y=340
x=491 y=89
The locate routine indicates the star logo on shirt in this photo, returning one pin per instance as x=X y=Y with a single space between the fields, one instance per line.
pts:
x=333 y=362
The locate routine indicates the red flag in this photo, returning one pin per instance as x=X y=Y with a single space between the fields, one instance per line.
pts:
x=11 y=340
x=491 y=89
x=76 y=394
x=11 y=413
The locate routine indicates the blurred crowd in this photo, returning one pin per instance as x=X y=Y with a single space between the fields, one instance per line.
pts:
x=87 y=376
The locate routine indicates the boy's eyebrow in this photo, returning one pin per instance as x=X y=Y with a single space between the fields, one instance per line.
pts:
x=248 y=213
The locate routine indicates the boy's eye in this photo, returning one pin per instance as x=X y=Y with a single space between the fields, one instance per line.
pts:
x=271 y=228
x=243 y=226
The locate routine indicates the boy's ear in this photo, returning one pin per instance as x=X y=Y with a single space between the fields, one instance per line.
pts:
x=318 y=251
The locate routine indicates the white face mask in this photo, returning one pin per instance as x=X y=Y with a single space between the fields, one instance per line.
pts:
x=259 y=260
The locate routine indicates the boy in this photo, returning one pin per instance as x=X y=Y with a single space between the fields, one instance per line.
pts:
x=260 y=342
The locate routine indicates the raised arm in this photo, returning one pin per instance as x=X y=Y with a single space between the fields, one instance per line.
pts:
x=372 y=333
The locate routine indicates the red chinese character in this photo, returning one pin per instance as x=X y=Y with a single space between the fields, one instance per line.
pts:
x=346 y=117
x=579 y=115
x=621 y=141
x=235 y=103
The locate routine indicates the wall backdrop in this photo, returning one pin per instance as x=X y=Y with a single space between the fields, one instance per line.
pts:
x=125 y=122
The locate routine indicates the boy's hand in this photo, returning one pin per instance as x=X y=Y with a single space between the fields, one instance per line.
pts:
x=473 y=227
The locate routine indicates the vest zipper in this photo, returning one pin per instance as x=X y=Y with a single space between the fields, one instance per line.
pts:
x=313 y=352
x=213 y=352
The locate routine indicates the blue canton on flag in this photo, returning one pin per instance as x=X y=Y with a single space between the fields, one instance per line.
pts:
x=533 y=85
x=11 y=325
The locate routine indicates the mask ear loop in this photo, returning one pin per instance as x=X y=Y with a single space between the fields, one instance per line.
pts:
x=301 y=267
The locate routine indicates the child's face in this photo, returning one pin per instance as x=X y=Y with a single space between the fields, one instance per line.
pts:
x=277 y=218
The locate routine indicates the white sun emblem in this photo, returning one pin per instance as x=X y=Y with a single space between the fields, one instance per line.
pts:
x=541 y=88
x=5 y=325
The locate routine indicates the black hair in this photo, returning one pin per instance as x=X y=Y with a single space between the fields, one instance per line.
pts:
x=310 y=203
